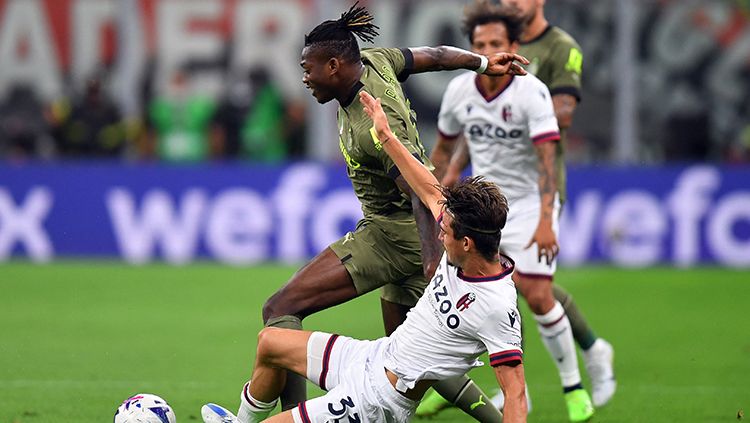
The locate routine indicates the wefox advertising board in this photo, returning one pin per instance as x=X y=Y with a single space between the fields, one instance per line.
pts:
x=241 y=214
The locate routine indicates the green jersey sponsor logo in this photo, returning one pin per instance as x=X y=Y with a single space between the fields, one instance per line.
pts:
x=575 y=61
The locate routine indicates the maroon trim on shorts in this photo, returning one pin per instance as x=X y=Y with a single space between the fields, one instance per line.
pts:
x=326 y=361
x=303 y=413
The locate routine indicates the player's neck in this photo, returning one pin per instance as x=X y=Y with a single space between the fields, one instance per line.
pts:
x=477 y=266
x=492 y=85
x=351 y=78
x=535 y=28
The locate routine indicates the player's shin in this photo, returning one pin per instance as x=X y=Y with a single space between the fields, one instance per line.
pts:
x=557 y=337
x=295 y=389
x=467 y=396
x=251 y=409
x=582 y=332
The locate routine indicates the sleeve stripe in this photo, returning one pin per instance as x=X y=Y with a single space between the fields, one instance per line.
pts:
x=546 y=137
x=448 y=137
x=408 y=65
x=505 y=357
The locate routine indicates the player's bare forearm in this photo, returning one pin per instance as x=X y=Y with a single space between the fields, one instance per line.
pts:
x=513 y=384
x=547 y=166
x=419 y=178
x=428 y=232
x=565 y=107
x=459 y=161
x=441 y=155
x=431 y=59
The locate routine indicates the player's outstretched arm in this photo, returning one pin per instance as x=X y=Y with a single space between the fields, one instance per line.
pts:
x=419 y=178
x=513 y=384
x=430 y=59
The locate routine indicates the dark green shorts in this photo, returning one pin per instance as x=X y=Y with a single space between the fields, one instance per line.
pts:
x=385 y=252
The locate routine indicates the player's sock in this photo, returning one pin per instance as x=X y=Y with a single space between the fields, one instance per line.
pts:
x=582 y=332
x=558 y=338
x=295 y=390
x=467 y=396
x=251 y=409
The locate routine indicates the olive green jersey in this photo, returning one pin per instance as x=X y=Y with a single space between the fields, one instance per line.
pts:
x=557 y=60
x=369 y=168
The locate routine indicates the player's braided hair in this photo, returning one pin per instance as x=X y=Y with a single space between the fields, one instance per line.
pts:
x=479 y=211
x=481 y=12
x=337 y=37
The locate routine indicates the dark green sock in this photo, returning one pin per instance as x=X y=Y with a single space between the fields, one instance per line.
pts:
x=582 y=332
x=467 y=396
x=295 y=390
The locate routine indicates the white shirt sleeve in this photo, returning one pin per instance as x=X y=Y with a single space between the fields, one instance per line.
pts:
x=501 y=335
x=541 y=115
x=448 y=123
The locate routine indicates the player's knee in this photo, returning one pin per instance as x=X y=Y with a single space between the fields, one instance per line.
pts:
x=540 y=300
x=267 y=341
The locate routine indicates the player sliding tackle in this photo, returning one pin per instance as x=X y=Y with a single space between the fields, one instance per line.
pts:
x=469 y=308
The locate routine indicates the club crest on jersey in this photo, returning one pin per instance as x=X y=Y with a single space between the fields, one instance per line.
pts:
x=507 y=113
x=465 y=301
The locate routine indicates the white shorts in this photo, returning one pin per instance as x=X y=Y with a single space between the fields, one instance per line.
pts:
x=523 y=219
x=352 y=372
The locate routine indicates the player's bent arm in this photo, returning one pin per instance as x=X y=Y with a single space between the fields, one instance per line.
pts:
x=512 y=382
x=565 y=107
x=442 y=153
x=427 y=228
x=419 y=178
x=458 y=163
x=430 y=59
x=547 y=178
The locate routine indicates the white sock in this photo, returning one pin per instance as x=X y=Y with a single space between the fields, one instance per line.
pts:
x=558 y=338
x=252 y=410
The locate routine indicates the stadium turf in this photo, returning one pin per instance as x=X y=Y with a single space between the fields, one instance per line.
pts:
x=77 y=338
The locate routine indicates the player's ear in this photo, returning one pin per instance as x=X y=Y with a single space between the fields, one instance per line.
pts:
x=333 y=65
x=468 y=244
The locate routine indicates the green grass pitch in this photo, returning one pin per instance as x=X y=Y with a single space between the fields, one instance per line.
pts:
x=77 y=338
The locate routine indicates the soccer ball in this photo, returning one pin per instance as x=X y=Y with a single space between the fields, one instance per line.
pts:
x=145 y=408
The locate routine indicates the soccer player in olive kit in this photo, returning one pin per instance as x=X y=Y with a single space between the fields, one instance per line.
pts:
x=384 y=250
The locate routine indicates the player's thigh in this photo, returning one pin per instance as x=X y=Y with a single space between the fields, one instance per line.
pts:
x=518 y=231
x=322 y=283
x=285 y=417
x=382 y=251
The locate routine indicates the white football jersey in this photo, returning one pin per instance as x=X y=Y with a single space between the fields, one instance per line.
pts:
x=501 y=131
x=457 y=319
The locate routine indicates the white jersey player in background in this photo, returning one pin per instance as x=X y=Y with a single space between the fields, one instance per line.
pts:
x=469 y=308
x=511 y=130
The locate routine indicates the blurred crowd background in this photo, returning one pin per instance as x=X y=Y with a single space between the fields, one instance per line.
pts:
x=210 y=80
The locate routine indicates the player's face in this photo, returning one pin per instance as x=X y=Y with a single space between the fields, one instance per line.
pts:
x=492 y=38
x=316 y=75
x=453 y=247
x=526 y=10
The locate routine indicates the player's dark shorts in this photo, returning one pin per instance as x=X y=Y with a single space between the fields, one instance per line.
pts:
x=385 y=251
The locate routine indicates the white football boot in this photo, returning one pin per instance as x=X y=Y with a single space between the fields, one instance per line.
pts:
x=213 y=413
x=599 y=360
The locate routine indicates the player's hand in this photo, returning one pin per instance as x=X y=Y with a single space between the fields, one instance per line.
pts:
x=505 y=64
x=374 y=109
x=546 y=243
x=451 y=177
